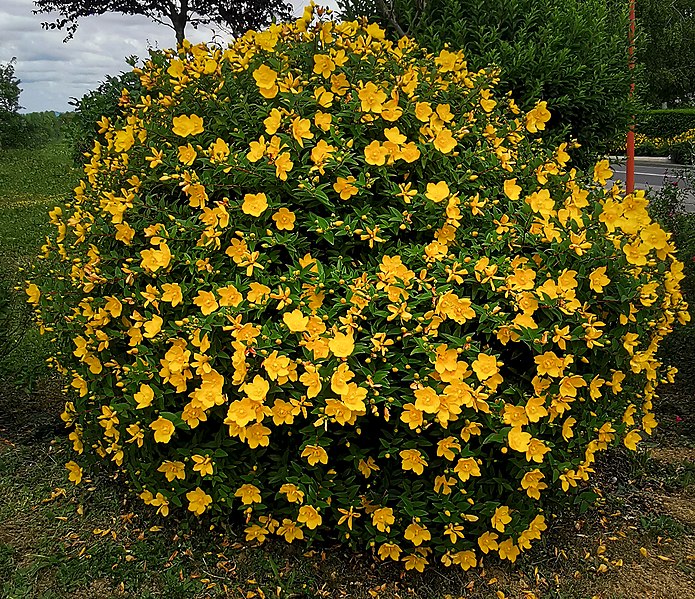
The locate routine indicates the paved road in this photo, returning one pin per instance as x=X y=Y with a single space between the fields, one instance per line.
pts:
x=654 y=174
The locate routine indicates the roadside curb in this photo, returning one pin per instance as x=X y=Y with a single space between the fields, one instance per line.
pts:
x=651 y=161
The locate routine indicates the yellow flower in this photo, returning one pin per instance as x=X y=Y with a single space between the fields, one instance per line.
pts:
x=265 y=79
x=507 y=550
x=323 y=65
x=249 y=494
x=501 y=518
x=173 y=470
x=203 y=464
x=283 y=165
x=341 y=345
x=153 y=326
x=437 y=191
x=144 y=396
x=295 y=321
x=257 y=435
x=124 y=140
x=315 y=454
x=163 y=430
x=184 y=125
x=415 y=562
x=538 y=117
x=124 y=233
x=344 y=186
x=465 y=559
x=198 y=501
x=272 y=122
x=488 y=542
x=511 y=189
x=375 y=154
x=257 y=389
x=467 y=467
x=187 y=154
x=290 y=530
x=602 y=172
x=301 y=130
x=485 y=366
x=284 y=219
x=312 y=380
x=34 y=293
x=254 y=204
x=309 y=516
x=417 y=534
x=75 y=472
x=549 y=364
x=294 y=495
x=206 y=301
x=219 y=150
x=389 y=550
x=445 y=142
x=518 y=439
x=532 y=483
x=598 y=279
x=172 y=294
x=371 y=98
x=412 y=460
x=383 y=518
x=427 y=400
x=229 y=296
x=632 y=438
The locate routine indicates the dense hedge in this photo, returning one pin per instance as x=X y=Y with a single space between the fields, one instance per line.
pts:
x=666 y=123
x=571 y=53
x=104 y=101
x=341 y=288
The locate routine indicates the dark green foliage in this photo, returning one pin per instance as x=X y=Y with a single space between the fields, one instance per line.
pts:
x=668 y=207
x=572 y=53
x=82 y=129
x=682 y=152
x=666 y=123
x=667 y=49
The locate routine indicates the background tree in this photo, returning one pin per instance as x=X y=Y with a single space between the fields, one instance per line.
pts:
x=667 y=50
x=237 y=15
x=572 y=53
x=12 y=125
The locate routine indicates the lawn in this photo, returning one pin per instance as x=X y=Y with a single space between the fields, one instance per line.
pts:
x=60 y=541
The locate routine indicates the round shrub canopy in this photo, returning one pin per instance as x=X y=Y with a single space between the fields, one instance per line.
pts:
x=338 y=286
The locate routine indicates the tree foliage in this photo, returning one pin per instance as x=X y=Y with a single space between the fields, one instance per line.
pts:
x=11 y=123
x=571 y=53
x=667 y=50
x=238 y=15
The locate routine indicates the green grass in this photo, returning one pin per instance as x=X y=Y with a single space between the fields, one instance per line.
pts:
x=31 y=183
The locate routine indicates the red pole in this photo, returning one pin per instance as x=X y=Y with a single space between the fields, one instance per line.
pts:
x=630 y=168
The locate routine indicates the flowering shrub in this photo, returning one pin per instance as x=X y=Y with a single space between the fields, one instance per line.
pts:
x=338 y=286
x=679 y=147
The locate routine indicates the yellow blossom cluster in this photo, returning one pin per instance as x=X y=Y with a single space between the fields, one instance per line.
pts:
x=340 y=288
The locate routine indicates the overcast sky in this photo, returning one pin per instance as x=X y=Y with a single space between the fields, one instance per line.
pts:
x=51 y=72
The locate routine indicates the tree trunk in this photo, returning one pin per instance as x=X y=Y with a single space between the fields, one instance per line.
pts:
x=178 y=14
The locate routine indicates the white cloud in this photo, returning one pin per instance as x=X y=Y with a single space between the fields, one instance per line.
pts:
x=52 y=72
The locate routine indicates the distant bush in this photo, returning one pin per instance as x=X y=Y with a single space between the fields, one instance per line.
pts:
x=682 y=152
x=107 y=100
x=13 y=130
x=666 y=123
x=340 y=287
